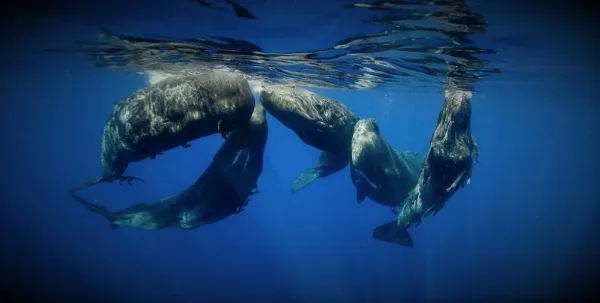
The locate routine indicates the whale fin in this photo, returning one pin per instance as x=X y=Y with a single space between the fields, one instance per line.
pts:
x=322 y=127
x=224 y=128
x=392 y=233
x=221 y=129
x=87 y=183
x=412 y=158
x=128 y=179
x=96 y=180
x=101 y=210
x=360 y=195
x=305 y=178
x=363 y=179
x=456 y=182
x=329 y=163
x=240 y=11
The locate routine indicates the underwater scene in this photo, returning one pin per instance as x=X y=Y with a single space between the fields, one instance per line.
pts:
x=300 y=151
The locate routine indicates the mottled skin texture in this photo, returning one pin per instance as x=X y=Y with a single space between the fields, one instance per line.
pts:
x=377 y=170
x=318 y=121
x=447 y=167
x=222 y=190
x=169 y=114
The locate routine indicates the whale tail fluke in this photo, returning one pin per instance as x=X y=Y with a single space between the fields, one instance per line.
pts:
x=392 y=233
x=101 y=210
x=305 y=178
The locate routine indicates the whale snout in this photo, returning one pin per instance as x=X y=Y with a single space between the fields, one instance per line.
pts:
x=366 y=125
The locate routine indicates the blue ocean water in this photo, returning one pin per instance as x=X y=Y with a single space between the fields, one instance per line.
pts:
x=525 y=226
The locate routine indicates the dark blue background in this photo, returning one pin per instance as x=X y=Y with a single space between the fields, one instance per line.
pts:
x=525 y=226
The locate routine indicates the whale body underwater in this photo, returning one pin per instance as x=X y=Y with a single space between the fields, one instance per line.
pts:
x=447 y=167
x=177 y=110
x=377 y=170
x=170 y=114
x=323 y=123
x=222 y=190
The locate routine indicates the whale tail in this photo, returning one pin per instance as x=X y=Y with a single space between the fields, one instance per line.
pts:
x=305 y=178
x=104 y=179
x=101 y=210
x=392 y=233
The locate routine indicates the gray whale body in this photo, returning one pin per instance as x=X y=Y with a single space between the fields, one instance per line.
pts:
x=377 y=170
x=447 y=167
x=168 y=114
x=321 y=122
x=222 y=190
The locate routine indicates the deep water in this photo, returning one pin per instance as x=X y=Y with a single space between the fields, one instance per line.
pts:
x=526 y=226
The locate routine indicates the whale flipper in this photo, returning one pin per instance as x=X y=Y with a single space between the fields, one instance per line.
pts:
x=458 y=180
x=101 y=210
x=96 y=180
x=224 y=128
x=87 y=183
x=129 y=179
x=360 y=195
x=329 y=163
x=240 y=11
x=322 y=127
x=391 y=232
x=305 y=178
